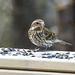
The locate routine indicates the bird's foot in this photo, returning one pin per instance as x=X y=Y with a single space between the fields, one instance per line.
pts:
x=35 y=49
x=46 y=48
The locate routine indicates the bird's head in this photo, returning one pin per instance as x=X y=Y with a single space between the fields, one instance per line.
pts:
x=37 y=25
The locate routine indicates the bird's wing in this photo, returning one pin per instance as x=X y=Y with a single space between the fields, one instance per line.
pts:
x=48 y=34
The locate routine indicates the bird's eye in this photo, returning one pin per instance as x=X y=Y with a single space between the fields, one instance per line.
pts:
x=37 y=23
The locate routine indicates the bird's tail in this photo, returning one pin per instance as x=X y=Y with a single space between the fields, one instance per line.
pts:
x=62 y=42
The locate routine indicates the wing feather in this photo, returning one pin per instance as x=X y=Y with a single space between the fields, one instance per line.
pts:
x=49 y=35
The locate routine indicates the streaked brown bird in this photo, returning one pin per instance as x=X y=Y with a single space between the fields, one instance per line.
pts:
x=40 y=36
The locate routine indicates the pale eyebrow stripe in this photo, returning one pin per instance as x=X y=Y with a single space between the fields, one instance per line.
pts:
x=34 y=22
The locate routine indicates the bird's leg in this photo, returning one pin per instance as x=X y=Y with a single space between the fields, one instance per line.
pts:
x=37 y=48
x=46 y=48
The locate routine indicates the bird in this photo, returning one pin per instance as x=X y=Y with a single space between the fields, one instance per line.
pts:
x=41 y=36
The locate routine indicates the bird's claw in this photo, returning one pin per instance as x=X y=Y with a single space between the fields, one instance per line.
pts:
x=36 y=49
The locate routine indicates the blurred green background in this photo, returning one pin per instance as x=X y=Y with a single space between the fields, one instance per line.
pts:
x=16 y=17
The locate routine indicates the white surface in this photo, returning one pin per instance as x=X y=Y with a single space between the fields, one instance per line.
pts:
x=38 y=63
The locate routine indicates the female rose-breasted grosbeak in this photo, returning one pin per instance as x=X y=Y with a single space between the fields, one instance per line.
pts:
x=40 y=36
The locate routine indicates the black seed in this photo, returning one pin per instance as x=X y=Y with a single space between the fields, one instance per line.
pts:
x=5 y=52
x=33 y=56
x=14 y=54
x=53 y=55
x=44 y=56
x=70 y=57
x=21 y=51
x=11 y=49
x=24 y=54
x=35 y=51
x=66 y=56
x=1 y=52
x=61 y=57
x=28 y=51
x=18 y=53
x=49 y=56
x=68 y=53
x=58 y=56
x=57 y=53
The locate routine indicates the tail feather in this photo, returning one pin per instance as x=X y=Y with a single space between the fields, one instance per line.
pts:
x=62 y=42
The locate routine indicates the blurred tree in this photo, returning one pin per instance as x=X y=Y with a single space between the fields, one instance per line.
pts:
x=66 y=19
x=6 y=9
